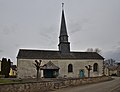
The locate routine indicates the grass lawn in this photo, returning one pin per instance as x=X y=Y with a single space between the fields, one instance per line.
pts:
x=6 y=81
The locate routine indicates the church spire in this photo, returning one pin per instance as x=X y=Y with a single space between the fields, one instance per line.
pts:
x=63 y=29
x=64 y=45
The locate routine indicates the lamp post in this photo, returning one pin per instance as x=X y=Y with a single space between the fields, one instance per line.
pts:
x=37 y=64
x=89 y=67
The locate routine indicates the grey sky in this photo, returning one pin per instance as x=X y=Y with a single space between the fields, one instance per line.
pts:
x=36 y=23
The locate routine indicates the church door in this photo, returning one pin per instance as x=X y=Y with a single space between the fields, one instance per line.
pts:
x=81 y=73
x=50 y=73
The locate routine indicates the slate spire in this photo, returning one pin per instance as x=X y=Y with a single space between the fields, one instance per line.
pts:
x=64 y=45
x=63 y=29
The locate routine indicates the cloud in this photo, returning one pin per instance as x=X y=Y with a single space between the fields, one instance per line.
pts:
x=76 y=26
x=6 y=30
x=114 y=54
x=1 y=51
x=47 y=36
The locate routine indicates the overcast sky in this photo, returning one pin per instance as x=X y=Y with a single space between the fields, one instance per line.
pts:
x=35 y=24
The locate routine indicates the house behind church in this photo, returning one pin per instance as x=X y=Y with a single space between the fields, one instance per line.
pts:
x=59 y=63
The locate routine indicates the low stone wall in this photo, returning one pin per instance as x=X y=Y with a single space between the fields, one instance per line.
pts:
x=44 y=86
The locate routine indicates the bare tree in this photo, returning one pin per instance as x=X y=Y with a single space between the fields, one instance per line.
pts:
x=89 y=68
x=90 y=50
x=37 y=64
x=97 y=50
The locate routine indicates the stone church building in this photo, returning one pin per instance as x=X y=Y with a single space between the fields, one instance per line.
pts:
x=59 y=63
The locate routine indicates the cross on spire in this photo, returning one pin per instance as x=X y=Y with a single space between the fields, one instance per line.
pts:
x=62 y=6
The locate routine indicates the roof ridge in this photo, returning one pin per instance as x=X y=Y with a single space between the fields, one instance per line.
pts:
x=38 y=50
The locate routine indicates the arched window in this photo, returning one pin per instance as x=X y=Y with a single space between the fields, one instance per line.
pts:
x=95 y=67
x=70 y=68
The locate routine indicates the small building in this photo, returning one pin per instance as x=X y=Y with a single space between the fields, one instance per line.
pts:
x=118 y=71
x=113 y=70
x=13 y=71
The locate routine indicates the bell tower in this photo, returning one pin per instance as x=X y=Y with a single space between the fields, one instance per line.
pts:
x=64 y=45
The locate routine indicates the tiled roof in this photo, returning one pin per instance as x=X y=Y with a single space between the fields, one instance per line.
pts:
x=112 y=68
x=50 y=65
x=47 y=54
x=63 y=29
x=14 y=67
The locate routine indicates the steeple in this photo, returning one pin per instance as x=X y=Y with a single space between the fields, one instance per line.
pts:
x=63 y=29
x=64 y=45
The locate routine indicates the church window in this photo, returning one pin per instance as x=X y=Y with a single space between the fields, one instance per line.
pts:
x=70 y=68
x=95 y=67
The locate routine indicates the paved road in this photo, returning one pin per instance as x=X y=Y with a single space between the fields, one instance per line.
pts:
x=109 y=86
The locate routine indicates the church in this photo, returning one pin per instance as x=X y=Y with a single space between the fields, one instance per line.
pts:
x=59 y=63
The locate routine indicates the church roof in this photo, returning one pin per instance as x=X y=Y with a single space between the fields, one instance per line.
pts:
x=49 y=54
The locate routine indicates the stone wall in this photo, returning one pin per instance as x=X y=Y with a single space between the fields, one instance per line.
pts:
x=44 y=86
x=26 y=87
